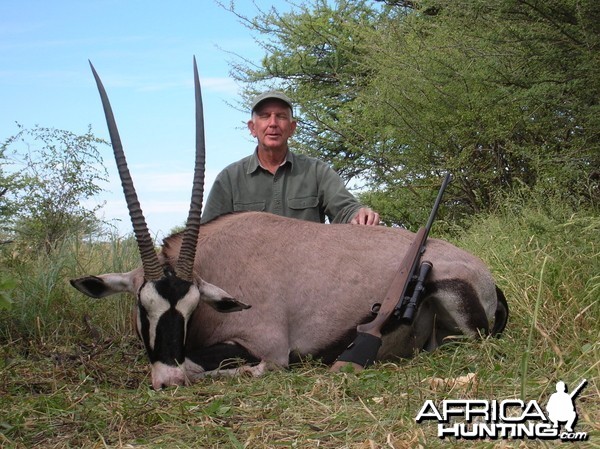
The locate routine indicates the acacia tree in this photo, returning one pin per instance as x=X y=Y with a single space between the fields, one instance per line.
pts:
x=502 y=93
x=58 y=171
x=316 y=55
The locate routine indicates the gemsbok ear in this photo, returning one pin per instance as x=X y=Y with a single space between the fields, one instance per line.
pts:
x=218 y=299
x=109 y=284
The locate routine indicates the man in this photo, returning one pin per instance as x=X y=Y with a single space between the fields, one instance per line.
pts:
x=276 y=180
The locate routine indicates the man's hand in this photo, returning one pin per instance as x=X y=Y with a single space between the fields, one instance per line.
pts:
x=365 y=216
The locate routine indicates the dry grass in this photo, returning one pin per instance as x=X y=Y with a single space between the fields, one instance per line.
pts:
x=67 y=381
x=98 y=396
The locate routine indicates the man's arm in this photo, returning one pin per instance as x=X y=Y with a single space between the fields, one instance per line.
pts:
x=340 y=205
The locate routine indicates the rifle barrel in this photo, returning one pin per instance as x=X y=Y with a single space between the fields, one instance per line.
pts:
x=576 y=391
x=436 y=205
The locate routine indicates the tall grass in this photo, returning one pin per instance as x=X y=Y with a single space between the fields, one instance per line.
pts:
x=68 y=381
x=44 y=308
x=547 y=259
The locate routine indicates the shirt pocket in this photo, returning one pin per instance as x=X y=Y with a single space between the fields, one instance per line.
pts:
x=253 y=206
x=308 y=202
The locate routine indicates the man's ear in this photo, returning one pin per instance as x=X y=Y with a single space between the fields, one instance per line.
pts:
x=220 y=300
x=251 y=127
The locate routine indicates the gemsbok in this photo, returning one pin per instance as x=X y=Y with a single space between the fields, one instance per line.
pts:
x=253 y=291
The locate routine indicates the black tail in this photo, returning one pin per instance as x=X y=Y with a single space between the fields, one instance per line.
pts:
x=501 y=316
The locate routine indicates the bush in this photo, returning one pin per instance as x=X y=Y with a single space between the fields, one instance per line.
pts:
x=53 y=173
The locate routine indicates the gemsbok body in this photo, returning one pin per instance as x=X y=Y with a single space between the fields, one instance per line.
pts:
x=253 y=291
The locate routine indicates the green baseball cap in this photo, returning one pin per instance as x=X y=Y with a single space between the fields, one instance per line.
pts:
x=271 y=95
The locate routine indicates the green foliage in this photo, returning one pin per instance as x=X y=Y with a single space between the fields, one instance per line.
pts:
x=500 y=93
x=7 y=284
x=10 y=182
x=57 y=172
x=482 y=89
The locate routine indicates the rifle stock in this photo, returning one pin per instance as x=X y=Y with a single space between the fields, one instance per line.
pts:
x=363 y=350
x=399 y=284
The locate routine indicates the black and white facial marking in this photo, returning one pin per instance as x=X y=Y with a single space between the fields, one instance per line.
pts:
x=164 y=307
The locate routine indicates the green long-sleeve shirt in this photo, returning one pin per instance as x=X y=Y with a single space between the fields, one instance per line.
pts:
x=302 y=187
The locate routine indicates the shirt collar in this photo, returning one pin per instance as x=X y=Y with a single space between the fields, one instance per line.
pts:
x=254 y=163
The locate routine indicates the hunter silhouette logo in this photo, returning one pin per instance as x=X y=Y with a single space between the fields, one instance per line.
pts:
x=561 y=405
x=509 y=419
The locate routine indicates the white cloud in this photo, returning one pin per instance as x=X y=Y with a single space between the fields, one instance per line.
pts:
x=221 y=85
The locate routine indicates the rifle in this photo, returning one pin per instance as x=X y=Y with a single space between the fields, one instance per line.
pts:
x=363 y=350
x=578 y=389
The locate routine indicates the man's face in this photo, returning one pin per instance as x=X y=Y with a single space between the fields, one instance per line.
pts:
x=272 y=124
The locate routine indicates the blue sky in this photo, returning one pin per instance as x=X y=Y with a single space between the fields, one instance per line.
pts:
x=143 y=52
